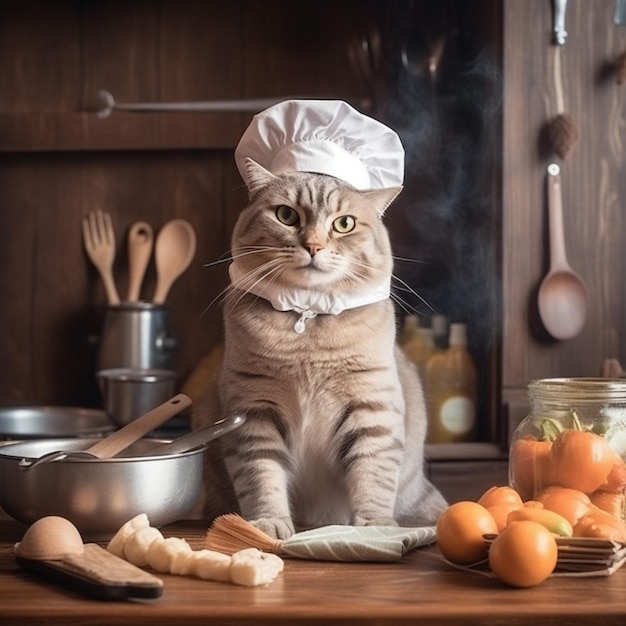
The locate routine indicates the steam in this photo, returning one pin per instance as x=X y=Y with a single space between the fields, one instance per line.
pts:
x=444 y=218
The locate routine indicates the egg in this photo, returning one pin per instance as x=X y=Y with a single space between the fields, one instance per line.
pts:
x=50 y=538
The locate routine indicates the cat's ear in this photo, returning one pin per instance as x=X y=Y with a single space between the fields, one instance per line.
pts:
x=257 y=176
x=382 y=198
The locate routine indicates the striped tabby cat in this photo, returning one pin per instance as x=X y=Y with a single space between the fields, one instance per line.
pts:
x=336 y=418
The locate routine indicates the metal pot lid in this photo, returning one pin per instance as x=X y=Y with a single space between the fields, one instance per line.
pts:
x=36 y=422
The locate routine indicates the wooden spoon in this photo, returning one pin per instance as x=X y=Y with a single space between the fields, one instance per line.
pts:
x=121 y=439
x=175 y=248
x=563 y=300
x=140 y=242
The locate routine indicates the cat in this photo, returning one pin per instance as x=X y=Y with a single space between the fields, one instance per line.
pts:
x=336 y=420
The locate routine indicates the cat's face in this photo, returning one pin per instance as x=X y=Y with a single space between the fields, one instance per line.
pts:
x=309 y=230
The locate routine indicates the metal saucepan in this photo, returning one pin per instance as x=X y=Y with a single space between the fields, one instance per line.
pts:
x=99 y=495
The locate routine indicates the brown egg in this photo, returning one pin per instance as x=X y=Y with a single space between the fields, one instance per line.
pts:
x=50 y=538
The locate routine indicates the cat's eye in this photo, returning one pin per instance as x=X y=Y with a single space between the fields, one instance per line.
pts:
x=344 y=224
x=286 y=215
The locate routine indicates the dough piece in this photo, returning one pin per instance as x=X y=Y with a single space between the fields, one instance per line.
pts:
x=210 y=565
x=180 y=563
x=161 y=555
x=251 y=567
x=116 y=545
x=139 y=544
x=142 y=545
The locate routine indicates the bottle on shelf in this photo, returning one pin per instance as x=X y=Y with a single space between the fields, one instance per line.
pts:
x=408 y=330
x=450 y=386
x=439 y=324
x=418 y=343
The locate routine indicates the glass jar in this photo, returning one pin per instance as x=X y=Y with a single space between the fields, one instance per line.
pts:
x=574 y=437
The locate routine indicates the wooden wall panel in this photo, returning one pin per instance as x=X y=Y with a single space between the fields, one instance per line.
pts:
x=200 y=47
x=16 y=283
x=304 y=48
x=120 y=47
x=40 y=54
x=594 y=187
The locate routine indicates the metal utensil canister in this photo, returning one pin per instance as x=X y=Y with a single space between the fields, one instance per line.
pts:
x=136 y=335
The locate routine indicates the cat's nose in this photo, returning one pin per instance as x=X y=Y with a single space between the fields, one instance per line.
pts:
x=313 y=248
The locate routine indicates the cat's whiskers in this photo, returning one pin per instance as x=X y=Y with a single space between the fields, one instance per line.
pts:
x=266 y=273
x=231 y=290
x=353 y=278
x=244 y=251
x=397 y=285
x=365 y=272
x=228 y=257
x=408 y=260
x=400 y=285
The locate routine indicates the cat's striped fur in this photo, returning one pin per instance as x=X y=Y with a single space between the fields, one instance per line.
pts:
x=336 y=418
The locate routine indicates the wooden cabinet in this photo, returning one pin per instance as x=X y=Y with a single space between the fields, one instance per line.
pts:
x=473 y=211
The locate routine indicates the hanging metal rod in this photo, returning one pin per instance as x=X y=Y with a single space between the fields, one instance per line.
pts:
x=252 y=105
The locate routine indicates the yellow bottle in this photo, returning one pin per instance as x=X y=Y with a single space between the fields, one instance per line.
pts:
x=450 y=384
x=417 y=343
x=409 y=329
x=420 y=349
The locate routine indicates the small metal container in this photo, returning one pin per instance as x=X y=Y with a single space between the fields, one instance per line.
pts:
x=99 y=495
x=136 y=335
x=129 y=393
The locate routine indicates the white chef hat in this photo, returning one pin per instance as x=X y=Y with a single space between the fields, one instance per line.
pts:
x=323 y=137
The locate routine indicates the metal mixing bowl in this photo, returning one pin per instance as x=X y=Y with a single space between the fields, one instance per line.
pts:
x=99 y=495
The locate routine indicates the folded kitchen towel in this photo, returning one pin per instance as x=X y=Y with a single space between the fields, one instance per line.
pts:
x=231 y=532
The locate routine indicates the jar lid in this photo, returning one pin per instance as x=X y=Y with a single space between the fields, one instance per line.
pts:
x=580 y=389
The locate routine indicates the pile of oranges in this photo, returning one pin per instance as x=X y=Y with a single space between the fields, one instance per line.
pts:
x=573 y=486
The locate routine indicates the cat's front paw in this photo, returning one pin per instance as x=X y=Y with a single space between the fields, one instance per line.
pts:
x=275 y=527
x=376 y=521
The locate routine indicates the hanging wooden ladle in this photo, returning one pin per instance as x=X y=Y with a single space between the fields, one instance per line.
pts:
x=563 y=300
x=562 y=129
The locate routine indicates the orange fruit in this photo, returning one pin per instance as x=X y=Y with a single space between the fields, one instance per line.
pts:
x=460 y=530
x=524 y=554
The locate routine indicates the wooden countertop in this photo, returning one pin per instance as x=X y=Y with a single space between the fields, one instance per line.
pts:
x=419 y=589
